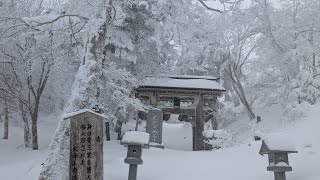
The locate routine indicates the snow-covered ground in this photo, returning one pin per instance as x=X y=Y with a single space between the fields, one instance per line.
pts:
x=177 y=163
x=17 y=162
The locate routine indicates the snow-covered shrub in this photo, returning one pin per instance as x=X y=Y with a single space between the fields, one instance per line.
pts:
x=305 y=90
x=228 y=114
x=305 y=87
x=218 y=138
x=296 y=111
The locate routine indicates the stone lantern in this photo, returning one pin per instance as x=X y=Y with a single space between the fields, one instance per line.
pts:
x=135 y=141
x=277 y=150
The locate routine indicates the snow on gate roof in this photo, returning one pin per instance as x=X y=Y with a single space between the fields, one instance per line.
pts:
x=183 y=82
x=193 y=77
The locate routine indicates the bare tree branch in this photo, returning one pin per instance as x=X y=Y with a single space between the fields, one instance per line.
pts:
x=53 y=20
x=209 y=8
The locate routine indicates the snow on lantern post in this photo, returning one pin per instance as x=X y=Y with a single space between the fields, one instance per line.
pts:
x=277 y=148
x=135 y=141
x=86 y=145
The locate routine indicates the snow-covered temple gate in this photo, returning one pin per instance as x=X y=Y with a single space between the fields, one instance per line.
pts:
x=194 y=96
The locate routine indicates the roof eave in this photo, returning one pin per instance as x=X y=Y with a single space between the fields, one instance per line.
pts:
x=179 y=88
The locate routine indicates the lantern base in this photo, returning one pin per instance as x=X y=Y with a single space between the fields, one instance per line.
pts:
x=279 y=168
x=133 y=160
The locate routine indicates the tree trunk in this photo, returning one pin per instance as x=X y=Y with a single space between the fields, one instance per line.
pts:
x=6 y=121
x=119 y=132
x=34 y=130
x=314 y=68
x=237 y=86
x=26 y=131
x=34 y=123
x=242 y=96
x=83 y=94
x=314 y=65
x=235 y=98
x=245 y=102
x=27 y=134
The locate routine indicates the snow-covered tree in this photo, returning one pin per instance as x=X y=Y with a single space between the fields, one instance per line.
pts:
x=288 y=57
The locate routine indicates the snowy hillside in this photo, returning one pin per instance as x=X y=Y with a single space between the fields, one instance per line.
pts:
x=178 y=163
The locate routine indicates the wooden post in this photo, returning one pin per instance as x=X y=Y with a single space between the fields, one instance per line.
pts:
x=197 y=127
x=118 y=129
x=107 y=131
x=86 y=146
x=6 y=120
x=133 y=171
x=280 y=175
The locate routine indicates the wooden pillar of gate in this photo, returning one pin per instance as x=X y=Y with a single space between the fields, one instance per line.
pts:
x=197 y=128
